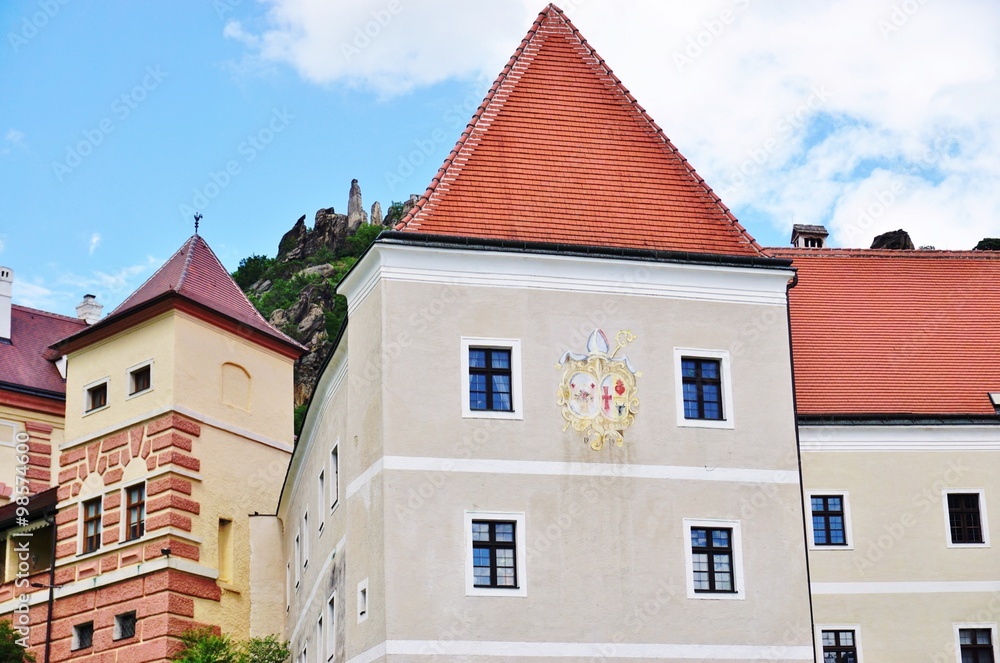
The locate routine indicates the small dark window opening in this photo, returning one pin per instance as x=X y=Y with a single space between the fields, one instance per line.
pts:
x=83 y=635
x=490 y=380
x=976 y=644
x=125 y=625
x=140 y=379
x=839 y=647
x=964 y=518
x=97 y=396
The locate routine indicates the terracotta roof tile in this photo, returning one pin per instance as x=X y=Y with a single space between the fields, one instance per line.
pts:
x=196 y=274
x=559 y=151
x=24 y=362
x=895 y=332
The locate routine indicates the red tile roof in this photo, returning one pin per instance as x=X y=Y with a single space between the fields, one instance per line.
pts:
x=895 y=332
x=559 y=151
x=24 y=362
x=195 y=273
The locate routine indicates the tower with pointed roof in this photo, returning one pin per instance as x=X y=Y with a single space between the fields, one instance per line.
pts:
x=178 y=429
x=503 y=487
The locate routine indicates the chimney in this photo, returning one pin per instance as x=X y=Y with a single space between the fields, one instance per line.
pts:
x=809 y=237
x=6 y=286
x=89 y=309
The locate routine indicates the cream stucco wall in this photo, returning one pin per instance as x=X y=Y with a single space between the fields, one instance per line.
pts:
x=900 y=566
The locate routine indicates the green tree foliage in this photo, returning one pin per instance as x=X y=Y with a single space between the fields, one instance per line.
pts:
x=251 y=270
x=203 y=646
x=988 y=244
x=10 y=650
x=362 y=238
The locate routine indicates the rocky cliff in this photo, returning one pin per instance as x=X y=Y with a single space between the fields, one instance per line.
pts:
x=295 y=290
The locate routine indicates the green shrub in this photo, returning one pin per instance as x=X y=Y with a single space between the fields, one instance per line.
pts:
x=10 y=649
x=251 y=270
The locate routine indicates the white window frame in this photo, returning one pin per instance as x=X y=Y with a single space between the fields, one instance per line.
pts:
x=321 y=494
x=128 y=379
x=297 y=553
x=117 y=635
x=330 y=646
x=739 y=577
x=848 y=534
x=334 y=476
x=984 y=521
x=123 y=521
x=520 y=552
x=838 y=627
x=288 y=586
x=106 y=380
x=725 y=366
x=320 y=635
x=974 y=625
x=305 y=539
x=5 y=423
x=512 y=344
x=75 y=644
x=81 y=505
x=364 y=601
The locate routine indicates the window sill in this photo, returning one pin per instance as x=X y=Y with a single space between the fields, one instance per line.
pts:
x=513 y=592
x=87 y=413
x=492 y=414
x=725 y=424
x=139 y=393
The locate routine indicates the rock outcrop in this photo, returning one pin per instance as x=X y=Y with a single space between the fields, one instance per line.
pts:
x=894 y=239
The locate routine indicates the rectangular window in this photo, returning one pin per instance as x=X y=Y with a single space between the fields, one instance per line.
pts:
x=704 y=391
x=702 y=379
x=305 y=539
x=964 y=518
x=976 y=645
x=828 y=520
x=92 y=525
x=140 y=379
x=334 y=477
x=490 y=380
x=320 y=635
x=494 y=553
x=83 y=635
x=225 y=550
x=363 y=600
x=288 y=586
x=125 y=626
x=839 y=647
x=298 y=559
x=321 y=490
x=97 y=397
x=331 y=627
x=135 y=511
x=712 y=559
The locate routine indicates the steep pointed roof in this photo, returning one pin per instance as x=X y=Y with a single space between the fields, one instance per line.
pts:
x=196 y=275
x=560 y=152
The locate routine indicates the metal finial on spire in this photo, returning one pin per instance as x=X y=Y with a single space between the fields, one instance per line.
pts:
x=197 y=218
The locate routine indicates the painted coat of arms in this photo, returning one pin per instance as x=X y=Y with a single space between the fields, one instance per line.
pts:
x=598 y=393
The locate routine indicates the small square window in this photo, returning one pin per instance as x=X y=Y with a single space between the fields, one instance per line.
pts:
x=125 y=626
x=97 y=397
x=976 y=644
x=334 y=476
x=92 y=514
x=363 y=600
x=839 y=647
x=83 y=636
x=491 y=379
x=140 y=380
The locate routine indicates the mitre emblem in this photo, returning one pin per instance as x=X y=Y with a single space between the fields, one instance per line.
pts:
x=598 y=394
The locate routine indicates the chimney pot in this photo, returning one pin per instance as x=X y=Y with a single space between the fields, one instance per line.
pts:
x=89 y=309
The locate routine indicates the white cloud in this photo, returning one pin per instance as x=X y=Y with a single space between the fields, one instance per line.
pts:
x=95 y=241
x=13 y=138
x=797 y=113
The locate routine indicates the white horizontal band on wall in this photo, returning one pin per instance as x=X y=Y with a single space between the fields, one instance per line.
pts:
x=589 y=650
x=953 y=587
x=899 y=438
x=559 y=468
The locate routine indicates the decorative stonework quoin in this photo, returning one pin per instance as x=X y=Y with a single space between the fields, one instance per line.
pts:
x=598 y=393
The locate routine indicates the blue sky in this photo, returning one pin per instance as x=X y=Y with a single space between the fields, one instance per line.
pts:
x=118 y=119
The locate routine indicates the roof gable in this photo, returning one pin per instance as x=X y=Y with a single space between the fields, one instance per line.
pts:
x=560 y=152
x=195 y=273
x=24 y=362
